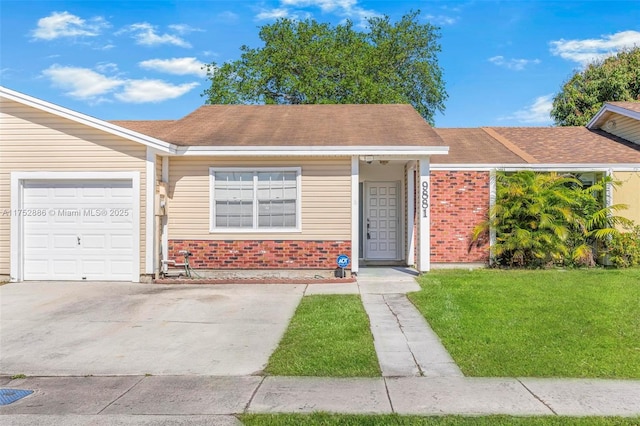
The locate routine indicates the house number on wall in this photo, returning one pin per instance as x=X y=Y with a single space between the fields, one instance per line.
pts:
x=425 y=198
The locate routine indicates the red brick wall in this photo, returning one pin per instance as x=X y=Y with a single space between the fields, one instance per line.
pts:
x=258 y=254
x=459 y=201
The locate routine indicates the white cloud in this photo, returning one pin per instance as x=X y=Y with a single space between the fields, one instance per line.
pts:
x=143 y=91
x=538 y=112
x=274 y=14
x=81 y=83
x=145 y=34
x=177 y=66
x=324 y=5
x=107 y=67
x=227 y=16
x=91 y=86
x=589 y=50
x=512 y=64
x=65 y=24
x=184 y=28
x=291 y=9
x=442 y=19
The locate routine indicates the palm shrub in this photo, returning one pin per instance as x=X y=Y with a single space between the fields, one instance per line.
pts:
x=594 y=225
x=545 y=219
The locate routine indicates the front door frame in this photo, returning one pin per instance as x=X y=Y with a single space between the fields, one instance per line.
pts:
x=399 y=212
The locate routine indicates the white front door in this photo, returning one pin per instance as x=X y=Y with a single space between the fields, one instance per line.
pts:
x=381 y=220
x=78 y=230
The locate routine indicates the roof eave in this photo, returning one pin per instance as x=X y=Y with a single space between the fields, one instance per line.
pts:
x=596 y=121
x=93 y=122
x=310 y=151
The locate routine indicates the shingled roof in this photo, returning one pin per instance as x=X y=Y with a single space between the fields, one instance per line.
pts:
x=473 y=146
x=535 y=145
x=294 y=125
x=387 y=125
x=630 y=105
x=571 y=145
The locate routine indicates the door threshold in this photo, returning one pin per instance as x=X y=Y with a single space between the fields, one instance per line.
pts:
x=365 y=262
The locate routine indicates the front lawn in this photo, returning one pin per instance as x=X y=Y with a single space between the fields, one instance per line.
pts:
x=329 y=335
x=552 y=323
x=324 y=419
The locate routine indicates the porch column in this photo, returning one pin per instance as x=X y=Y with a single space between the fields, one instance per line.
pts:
x=492 y=202
x=355 y=213
x=424 y=216
x=411 y=213
x=151 y=262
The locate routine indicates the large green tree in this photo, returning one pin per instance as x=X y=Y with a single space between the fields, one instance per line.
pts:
x=616 y=78
x=306 y=62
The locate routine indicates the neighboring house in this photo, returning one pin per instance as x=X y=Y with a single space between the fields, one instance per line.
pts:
x=463 y=184
x=269 y=187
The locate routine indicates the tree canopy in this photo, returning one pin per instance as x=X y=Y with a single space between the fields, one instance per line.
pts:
x=306 y=62
x=616 y=78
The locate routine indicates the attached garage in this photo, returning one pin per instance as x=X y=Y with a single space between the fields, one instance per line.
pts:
x=76 y=226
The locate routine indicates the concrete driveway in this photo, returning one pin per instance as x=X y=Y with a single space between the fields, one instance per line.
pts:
x=55 y=328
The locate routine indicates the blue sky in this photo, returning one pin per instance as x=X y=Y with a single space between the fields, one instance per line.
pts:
x=141 y=60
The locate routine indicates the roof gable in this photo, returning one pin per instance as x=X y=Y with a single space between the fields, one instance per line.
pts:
x=625 y=109
x=85 y=119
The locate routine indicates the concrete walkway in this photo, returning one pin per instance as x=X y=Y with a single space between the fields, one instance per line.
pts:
x=405 y=343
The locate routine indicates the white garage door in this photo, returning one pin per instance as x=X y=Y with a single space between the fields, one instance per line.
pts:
x=78 y=230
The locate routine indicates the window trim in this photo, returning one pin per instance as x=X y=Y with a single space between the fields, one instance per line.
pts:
x=255 y=229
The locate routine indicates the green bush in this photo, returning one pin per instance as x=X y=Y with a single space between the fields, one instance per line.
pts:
x=623 y=249
x=542 y=220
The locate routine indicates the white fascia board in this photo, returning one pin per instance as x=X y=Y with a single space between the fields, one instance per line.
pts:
x=87 y=120
x=540 y=167
x=614 y=109
x=306 y=151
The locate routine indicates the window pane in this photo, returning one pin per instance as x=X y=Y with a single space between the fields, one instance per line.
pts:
x=233 y=186
x=277 y=214
x=277 y=185
x=234 y=214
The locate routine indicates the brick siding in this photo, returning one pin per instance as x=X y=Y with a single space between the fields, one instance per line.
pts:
x=259 y=254
x=459 y=201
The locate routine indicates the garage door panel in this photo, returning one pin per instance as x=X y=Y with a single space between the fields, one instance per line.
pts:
x=94 y=269
x=65 y=268
x=95 y=218
x=96 y=241
x=64 y=192
x=121 y=242
x=65 y=241
x=93 y=192
x=37 y=241
x=79 y=238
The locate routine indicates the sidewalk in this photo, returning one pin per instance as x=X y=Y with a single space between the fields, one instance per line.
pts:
x=96 y=398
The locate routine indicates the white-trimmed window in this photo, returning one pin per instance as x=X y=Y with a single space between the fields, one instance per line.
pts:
x=261 y=199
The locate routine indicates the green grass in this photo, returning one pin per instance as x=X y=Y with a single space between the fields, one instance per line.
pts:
x=555 y=323
x=329 y=335
x=324 y=419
